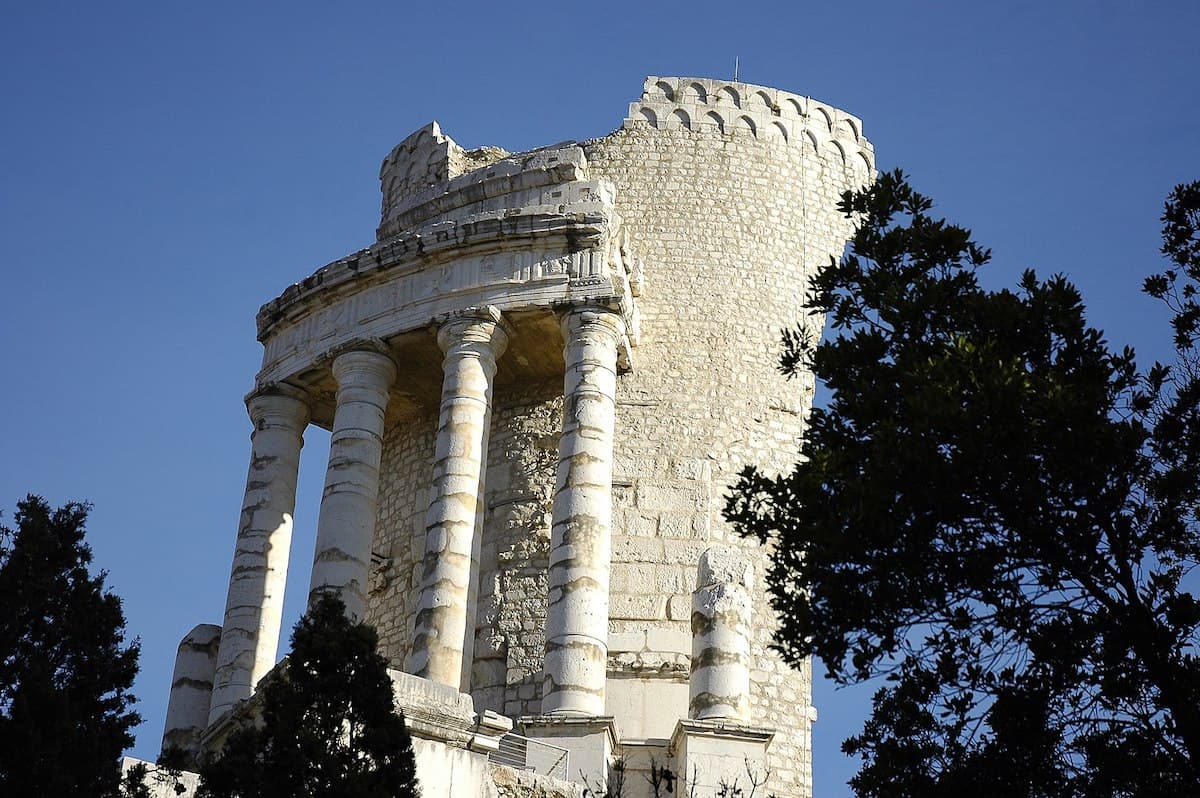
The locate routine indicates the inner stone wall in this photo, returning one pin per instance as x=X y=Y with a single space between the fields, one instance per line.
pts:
x=510 y=626
x=406 y=471
x=511 y=602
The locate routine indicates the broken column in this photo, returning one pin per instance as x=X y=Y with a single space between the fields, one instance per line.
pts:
x=716 y=746
x=346 y=524
x=581 y=535
x=721 y=627
x=444 y=631
x=254 y=602
x=191 y=690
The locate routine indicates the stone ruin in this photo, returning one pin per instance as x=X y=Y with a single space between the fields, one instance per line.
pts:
x=540 y=381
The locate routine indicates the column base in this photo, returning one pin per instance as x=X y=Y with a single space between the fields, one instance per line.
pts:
x=709 y=752
x=589 y=739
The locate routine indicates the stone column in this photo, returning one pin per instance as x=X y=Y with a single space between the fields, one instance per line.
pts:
x=191 y=690
x=581 y=535
x=721 y=626
x=444 y=632
x=346 y=524
x=254 y=603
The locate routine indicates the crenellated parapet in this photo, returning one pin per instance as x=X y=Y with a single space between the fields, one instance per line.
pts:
x=759 y=112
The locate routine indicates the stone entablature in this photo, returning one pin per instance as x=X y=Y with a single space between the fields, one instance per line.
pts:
x=526 y=232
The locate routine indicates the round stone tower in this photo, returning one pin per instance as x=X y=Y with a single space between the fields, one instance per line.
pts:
x=541 y=381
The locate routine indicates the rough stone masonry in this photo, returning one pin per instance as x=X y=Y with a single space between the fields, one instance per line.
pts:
x=540 y=380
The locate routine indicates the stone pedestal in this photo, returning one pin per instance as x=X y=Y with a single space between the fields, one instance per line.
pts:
x=346 y=524
x=581 y=534
x=709 y=753
x=444 y=631
x=590 y=742
x=254 y=602
x=191 y=690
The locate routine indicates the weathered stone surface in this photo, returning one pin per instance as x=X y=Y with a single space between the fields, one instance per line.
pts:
x=443 y=638
x=693 y=231
x=254 y=602
x=710 y=754
x=721 y=629
x=581 y=534
x=346 y=524
x=163 y=783
x=191 y=689
x=521 y=784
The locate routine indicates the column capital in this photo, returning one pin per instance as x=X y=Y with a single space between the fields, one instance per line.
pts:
x=481 y=325
x=365 y=366
x=278 y=405
x=585 y=321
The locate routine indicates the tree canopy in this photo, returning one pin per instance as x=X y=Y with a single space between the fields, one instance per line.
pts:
x=65 y=667
x=995 y=511
x=328 y=726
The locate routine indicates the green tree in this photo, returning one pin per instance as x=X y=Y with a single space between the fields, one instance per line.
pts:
x=994 y=513
x=65 y=667
x=328 y=726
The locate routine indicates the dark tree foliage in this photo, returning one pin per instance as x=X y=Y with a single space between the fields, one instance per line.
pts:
x=994 y=512
x=65 y=667
x=328 y=727
x=1181 y=244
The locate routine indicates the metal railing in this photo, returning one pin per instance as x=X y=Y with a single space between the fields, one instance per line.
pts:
x=522 y=753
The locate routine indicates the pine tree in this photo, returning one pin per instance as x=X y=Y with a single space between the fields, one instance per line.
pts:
x=328 y=725
x=995 y=514
x=65 y=667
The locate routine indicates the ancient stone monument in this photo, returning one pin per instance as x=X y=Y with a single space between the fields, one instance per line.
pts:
x=540 y=380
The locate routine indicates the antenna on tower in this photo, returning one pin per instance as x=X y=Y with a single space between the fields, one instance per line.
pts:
x=735 y=68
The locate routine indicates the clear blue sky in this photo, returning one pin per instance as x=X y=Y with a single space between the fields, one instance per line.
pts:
x=167 y=167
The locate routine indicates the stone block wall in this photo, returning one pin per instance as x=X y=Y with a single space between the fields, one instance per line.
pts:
x=400 y=532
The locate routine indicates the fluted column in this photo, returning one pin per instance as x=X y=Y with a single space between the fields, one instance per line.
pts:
x=721 y=626
x=581 y=536
x=444 y=631
x=254 y=602
x=346 y=523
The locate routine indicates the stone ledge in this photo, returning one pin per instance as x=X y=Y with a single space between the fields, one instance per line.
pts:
x=441 y=713
x=719 y=729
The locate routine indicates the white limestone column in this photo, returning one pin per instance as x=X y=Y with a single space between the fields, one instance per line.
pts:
x=191 y=690
x=254 y=602
x=581 y=535
x=444 y=630
x=346 y=523
x=721 y=627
